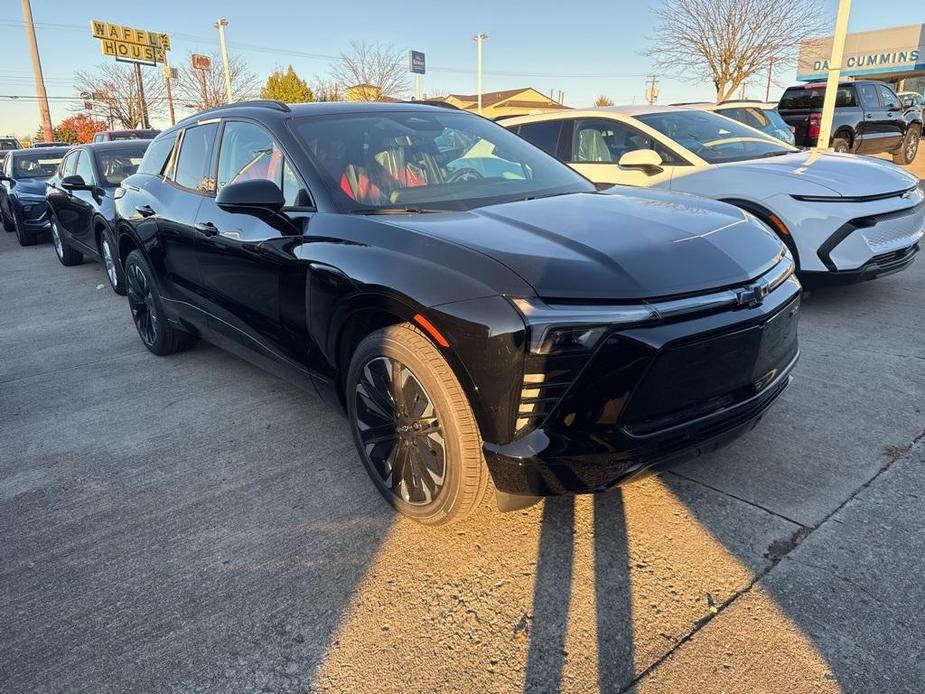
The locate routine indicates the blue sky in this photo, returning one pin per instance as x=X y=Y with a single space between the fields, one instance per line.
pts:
x=548 y=44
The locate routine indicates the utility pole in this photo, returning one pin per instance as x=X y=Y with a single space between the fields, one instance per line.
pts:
x=141 y=97
x=767 y=91
x=831 y=86
x=652 y=89
x=168 y=74
x=220 y=25
x=479 y=38
x=40 y=93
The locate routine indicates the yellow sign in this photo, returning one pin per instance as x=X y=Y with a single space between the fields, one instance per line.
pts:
x=119 y=34
x=133 y=52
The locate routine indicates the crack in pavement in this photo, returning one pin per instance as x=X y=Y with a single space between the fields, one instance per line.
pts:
x=774 y=561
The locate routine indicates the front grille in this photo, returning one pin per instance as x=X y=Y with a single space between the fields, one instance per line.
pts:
x=694 y=378
x=886 y=230
x=888 y=260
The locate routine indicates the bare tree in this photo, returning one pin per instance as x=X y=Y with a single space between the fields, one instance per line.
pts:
x=115 y=91
x=729 y=41
x=202 y=89
x=372 y=72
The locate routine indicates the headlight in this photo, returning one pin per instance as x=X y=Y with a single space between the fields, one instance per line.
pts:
x=564 y=329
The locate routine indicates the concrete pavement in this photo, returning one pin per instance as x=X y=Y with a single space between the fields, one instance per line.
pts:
x=191 y=524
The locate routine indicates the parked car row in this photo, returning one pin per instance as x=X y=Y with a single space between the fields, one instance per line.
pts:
x=483 y=313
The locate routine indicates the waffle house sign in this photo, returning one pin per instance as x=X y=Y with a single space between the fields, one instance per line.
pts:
x=129 y=44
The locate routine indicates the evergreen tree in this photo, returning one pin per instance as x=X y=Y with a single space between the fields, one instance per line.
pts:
x=287 y=87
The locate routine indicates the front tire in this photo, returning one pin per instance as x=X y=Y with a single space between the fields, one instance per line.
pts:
x=906 y=154
x=66 y=255
x=148 y=310
x=413 y=427
x=25 y=238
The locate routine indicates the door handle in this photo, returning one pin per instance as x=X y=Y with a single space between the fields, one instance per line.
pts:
x=145 y=210
x=206 y=228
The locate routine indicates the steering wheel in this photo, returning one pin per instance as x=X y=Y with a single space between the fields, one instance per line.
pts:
x=464 y=175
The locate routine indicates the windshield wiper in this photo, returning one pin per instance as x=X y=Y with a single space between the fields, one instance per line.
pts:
x=551 y=195
x=773 y=154
x=397 y=210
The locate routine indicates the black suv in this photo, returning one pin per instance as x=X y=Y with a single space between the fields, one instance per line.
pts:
x=479 y=310
x=869 y=119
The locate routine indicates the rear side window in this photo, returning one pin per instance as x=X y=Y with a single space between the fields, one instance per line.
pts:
x=796 y=98
x=544 y=135
x=158 y=154
x=195 y=156
x=868 y=94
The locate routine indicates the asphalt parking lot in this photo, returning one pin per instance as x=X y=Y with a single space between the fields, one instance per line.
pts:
x=192 y=524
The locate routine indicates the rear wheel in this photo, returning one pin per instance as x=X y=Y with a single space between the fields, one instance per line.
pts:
x=906 y=154
x=67 y=255
x=413 y=427
x=148 y=309
x=840 y=144
x=114 y=271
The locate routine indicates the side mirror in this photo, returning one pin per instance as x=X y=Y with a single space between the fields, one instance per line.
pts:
x=907 y=102
x=646 y=160
x=251 y=197
x=74 y=182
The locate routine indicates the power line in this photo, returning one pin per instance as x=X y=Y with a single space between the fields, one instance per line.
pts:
x=257 y=48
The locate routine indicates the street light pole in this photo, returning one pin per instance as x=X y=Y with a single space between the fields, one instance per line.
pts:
x=220 y=25
x=478 y=42
x=831 y=86
x=40 y=93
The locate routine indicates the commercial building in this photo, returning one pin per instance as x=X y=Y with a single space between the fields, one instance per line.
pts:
x=895 y=55
x=510 y=102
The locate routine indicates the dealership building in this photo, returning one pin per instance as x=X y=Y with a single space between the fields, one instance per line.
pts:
x=895 y=55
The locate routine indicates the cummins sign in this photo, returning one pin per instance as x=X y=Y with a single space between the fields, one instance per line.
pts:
x=886 y=52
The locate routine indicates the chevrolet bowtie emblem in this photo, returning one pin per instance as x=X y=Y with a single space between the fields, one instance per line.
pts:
x=752 y=295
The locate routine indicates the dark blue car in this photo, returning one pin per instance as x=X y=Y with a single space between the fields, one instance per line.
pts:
x=22 y=191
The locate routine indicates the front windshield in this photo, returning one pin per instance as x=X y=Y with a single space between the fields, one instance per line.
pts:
x=422 y=159
x=713 y=138
x=38 y=165
x=9 y=144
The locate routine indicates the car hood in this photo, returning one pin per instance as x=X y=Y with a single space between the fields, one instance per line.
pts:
x=620 y=244
x=30 y=186
x=847 y=175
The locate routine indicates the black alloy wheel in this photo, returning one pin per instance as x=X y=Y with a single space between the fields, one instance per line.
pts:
x=400 y=430
x=141 y=303
x=414 y=428
x=148 y=311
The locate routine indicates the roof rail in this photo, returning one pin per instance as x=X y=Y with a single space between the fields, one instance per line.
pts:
x=253 y=103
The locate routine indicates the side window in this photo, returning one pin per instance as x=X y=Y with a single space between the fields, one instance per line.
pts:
x=888 y=98
x=868 y=96
x=157 y=155
x=605 y=141
x=844 y=97
x=85 y=168
x=192 y=167
x=293 y=190
x=544 y=135
x=248 y=153
x=69 y=165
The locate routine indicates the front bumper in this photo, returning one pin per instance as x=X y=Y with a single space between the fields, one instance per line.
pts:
x=659 y=396
x=879 y=266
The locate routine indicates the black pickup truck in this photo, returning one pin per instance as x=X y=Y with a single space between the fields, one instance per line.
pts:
x=869 y=119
